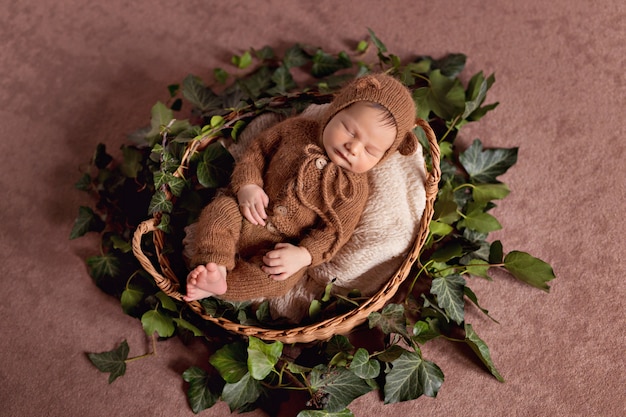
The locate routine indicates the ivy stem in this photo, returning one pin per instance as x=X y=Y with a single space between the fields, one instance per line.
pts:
x=417 y=75
x=131 y=277
x=422 y=269
x=145 y=355
x=456 y=119
x=292 y=378
x=466 y=185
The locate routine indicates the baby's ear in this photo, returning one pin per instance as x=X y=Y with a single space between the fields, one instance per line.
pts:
x=409 y=144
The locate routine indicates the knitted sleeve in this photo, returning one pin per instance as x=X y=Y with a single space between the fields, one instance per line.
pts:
x=251 y=167
x=325 y=241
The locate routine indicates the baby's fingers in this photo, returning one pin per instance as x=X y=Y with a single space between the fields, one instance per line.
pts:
x=250 y=215
x=272 y=259
x=261 y=215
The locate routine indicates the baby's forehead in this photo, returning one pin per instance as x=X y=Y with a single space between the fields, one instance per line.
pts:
x=382 y=114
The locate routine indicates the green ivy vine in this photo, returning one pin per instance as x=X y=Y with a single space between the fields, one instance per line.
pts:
x=244 y=372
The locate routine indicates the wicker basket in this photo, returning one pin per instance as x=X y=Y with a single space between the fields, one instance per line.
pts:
x=167 y=281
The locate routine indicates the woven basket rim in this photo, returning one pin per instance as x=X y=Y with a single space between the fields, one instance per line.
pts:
x=343 y=323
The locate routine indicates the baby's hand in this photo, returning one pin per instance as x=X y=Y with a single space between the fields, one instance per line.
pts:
x=285 y=260
x=252 y=202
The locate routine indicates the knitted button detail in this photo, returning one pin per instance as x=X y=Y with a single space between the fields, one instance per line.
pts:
x=269 y=226
x=320 y=163
x=280 y=210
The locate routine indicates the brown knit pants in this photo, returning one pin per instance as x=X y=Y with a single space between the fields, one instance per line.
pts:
x=225 y=237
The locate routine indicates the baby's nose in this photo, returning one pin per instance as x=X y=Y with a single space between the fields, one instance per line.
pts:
x=353 y=147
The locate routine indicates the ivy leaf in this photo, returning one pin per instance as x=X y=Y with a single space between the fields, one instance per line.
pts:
x=315 y=309
x=295 y=57
x=483 y=193
x=392 y=353
x=262 y=357
x=380 y=47
x=483 y=166
x=101 y=158
x=438 y=228
x=420 y=96
x=325 y=64
x=480 y=221
x=166 y=301
x=480 y=112
x=495 y=252
x=475 y=85
x=482 y=351
x=362 y=46
x=363 y=366
x=176 y=184
x=470 y=294
x=231 y=361
x=199 y=95
x=199 y=393
x=263 y=313
x=446 y=207
x=121 y=244
x=113 y=361
x=87 y=221
x=377 y=42
x=446 y=149
x=424 y=332
x=161 y=115
x=449 y=292
x=477 y=90
x=391 y=320
x=160 y=203
x=242 y=61
x=155 y=321
x=216 y=166
x=446 y=252
x=84 y=183
x=338 y=344
x=220 y=75
x=339 y=385
x=283 y=80
x=130 y=298
x=184 y=324
x=241 y=393
x=325 y=413
x=529 y=269
x=446 y=96
x=104 y=266
x=131 y=163
x=264 y=53
x=164 y=223
x=256 y=83
x=478 y=268
x=450 y=65
x=410 y=378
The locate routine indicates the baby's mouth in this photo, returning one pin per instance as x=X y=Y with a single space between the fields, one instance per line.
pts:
x=342 y=156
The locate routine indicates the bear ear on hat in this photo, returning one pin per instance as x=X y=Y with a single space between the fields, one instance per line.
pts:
x=409 y=144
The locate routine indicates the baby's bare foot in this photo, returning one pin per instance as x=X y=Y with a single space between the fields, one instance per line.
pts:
x=205 y=281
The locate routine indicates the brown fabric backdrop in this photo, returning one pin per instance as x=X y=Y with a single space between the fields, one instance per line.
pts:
x=75 y=73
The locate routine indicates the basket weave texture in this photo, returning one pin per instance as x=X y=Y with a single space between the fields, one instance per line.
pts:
x=169 y=283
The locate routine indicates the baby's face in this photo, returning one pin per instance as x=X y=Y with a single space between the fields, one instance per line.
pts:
x=356 y=138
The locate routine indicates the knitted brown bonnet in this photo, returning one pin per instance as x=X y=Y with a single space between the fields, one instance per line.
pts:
x=388 y=92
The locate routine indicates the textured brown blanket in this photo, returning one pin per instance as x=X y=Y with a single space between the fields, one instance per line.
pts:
x=75 y=73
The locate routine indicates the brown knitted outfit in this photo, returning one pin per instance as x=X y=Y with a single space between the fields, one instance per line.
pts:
x=313 y=203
